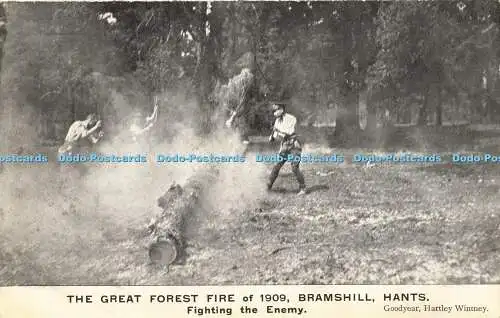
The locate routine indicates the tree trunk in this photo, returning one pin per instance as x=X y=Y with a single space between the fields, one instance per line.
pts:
x=491 y=110
x=371 y=120
x=200 y=76
x=3 y=36
x=347 y=127
x=207 y=68
x=439 y=107
x=3 y=32
x=347 y=121
x=179 y=205
x=423 y=111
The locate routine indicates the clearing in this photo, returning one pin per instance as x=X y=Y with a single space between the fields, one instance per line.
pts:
x=384 y=224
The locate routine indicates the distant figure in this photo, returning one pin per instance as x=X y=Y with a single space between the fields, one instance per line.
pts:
x=235 y=98
x=80 y=131
x=138 y=129
x=284 y=130
x=230 y=123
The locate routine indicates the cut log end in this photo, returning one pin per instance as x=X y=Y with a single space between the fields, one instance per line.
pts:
x=163 y=252
x=167 y=241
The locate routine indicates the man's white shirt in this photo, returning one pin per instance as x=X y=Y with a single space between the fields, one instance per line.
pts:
x=76 y=131
x=285 y=125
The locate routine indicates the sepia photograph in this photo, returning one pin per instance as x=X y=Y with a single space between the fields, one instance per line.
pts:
x=249 y=143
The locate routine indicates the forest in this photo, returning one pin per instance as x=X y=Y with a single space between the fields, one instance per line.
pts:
x=362 y=77
x=353 y=65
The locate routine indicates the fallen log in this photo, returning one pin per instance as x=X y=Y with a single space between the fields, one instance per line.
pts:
x=178 y=204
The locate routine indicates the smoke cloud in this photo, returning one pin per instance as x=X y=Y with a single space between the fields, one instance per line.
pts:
x=53 y=217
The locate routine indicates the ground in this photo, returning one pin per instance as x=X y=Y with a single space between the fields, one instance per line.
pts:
x=380 y=224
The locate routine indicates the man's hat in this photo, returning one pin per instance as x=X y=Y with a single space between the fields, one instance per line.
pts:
x=281 y=104
x=276 y=102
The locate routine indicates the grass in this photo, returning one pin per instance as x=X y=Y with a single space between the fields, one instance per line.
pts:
x=386 y=224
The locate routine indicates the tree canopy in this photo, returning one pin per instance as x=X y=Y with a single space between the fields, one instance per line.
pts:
x=419 y=62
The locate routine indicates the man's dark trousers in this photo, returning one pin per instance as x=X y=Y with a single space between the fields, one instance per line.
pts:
x=289 y=147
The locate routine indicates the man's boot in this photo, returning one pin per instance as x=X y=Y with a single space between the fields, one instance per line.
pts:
x=300 y=179
x=302 y=191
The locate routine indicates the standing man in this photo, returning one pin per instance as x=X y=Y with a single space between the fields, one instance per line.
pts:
x=80 y=131
x=235 y=96
x=284 y=130
x=139 y=129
